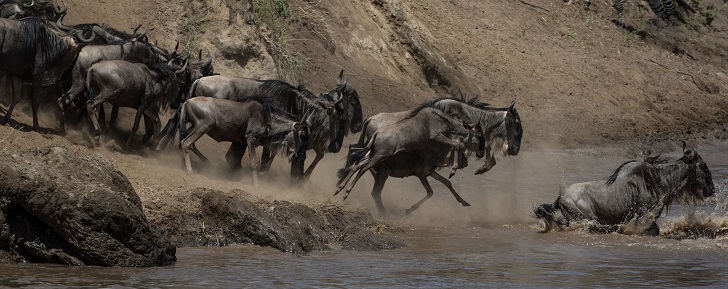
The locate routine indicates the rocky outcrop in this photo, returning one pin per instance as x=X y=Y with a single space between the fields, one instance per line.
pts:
x=222 y=218
x=57 y=206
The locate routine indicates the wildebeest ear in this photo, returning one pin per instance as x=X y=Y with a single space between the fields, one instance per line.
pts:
x=341 y=81
x=689 y=153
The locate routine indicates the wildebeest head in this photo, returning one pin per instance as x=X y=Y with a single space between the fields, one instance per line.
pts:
x=700 y=180
x=350 y=101
x=476 y=136
x=296 y=142
x=336 y=110
x=514 y=131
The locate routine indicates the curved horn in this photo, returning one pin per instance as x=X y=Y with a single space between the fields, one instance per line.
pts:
x=199 y=54
x=341 y=81
x=184 y=67
x=105 y=34
x=62 y=27
x=32 y=3
x=174 y=52
x=134 y=31
x=79 y=34
x=141 y=36
x=59 y=12
x=513 y=103
x=209 y=60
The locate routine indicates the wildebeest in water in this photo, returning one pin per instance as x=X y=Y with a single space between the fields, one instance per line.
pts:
x=636 y=190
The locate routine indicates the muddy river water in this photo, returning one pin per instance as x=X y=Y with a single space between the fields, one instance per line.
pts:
x=493 y=243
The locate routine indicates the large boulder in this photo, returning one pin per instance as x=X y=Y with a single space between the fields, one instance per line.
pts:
x=57 y=206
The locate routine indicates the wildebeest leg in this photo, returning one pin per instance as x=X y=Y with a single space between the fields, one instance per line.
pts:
x=380 y=177
x=266 y=159
x=489 y=161
x=92 y=109
x=345 y=180
x=152 y=124
x=35 y=102
x=428 y=188
x=448 y=184
x=458 y=145
x=188 y=143
x=364 y=168
x=253 y=161
x=14 y=98
x=235 y=154
x=114 y=115
x=316 y=160
x=61 y=116
x=135 y=127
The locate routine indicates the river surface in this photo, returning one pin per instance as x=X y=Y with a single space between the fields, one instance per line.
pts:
x=493 y=243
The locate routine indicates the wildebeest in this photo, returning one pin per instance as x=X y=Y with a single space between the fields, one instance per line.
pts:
x=33 y=52
x=329 y=131
x=18 y=9
x=147 y=87
x=505 y=138
x=424 y=129
x=634 y=189
x=246 y=123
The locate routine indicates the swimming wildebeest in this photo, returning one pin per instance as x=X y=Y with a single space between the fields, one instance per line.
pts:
x=34 y=52
x=247 y=123
x=428 y=129
x=143 y=86
x=633 y=190
x=505 y=138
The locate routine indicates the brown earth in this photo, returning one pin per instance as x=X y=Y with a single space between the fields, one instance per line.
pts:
x=579 y=80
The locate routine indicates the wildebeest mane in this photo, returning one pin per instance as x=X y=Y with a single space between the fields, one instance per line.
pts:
x=160 y=68
x=273 y=86
x=614 y=175
x=39 y=41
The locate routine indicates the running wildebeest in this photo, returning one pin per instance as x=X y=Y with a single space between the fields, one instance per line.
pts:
x=634 y=189
x=505 y=138
x=425 y=129
x=34 y=52
x=143 y=86
x=330 y=130
x=246 y=123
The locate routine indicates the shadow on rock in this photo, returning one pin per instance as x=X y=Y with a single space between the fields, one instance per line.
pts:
x=237 y=217
x=60 y=207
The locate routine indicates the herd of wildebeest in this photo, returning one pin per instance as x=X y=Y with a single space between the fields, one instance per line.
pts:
x=81 y=67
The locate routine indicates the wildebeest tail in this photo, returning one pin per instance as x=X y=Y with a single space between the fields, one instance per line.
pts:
x=363 y=134
x=355 y=155
x=183 y=121
x=167 y=133
x=90 y=85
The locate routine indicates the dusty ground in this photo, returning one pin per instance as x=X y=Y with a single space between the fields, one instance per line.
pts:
x=579 y=81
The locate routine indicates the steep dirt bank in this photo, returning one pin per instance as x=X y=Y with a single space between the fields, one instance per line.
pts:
x=577 y=78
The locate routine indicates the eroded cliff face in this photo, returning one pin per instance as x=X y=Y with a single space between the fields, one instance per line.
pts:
x=577 y=78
